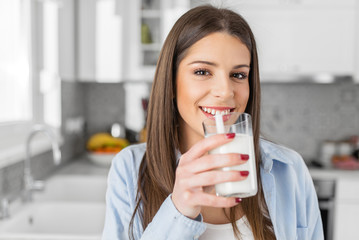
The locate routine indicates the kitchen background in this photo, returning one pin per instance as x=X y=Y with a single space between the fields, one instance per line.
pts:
x=105 y=56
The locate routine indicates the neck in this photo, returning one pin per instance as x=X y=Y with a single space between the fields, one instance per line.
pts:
x=220 y=215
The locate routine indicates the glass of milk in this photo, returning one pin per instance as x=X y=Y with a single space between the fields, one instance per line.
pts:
x=241 y=125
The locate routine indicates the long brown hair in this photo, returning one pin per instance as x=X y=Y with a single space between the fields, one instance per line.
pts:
x=157 y=170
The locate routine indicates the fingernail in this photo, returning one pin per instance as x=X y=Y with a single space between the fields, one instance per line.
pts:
x=230 y=135
x=244 y=157
x=238 y=200
x=244 y=173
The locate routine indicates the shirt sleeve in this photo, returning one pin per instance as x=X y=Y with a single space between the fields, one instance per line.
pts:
x=167 y=224
x=118 y=199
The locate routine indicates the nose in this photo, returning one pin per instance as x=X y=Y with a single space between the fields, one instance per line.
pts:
x=223 y=87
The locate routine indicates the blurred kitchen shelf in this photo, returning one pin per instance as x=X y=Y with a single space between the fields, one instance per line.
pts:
x=151 y=46
x=150 y=13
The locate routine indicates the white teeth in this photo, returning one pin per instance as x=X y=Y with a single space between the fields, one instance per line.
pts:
x=214 y=112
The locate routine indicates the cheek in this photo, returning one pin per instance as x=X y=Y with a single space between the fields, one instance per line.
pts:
x=243 y=97
x=186 y=99
x=188 y=92
x=182 y=94
x=181 y=101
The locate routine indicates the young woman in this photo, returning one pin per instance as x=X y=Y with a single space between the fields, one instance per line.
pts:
x=162 y=190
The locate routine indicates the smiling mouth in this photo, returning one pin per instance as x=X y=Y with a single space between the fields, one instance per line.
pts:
x=217 y=110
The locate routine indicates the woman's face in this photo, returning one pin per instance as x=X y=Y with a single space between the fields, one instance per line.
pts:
x=213 y=76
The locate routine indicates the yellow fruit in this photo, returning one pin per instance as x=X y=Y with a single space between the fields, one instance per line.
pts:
x=119 y=142
x=102 y=140
x=97 y=140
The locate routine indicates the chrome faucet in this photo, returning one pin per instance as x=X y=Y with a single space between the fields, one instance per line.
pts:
x=29 y=184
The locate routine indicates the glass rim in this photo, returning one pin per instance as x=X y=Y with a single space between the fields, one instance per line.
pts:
x=210 y=121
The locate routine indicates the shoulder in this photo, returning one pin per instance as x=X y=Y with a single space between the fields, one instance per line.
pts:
x=132 y=154
x=272 y=153
x=127 y=162
x=285 y=176
x=285 y=164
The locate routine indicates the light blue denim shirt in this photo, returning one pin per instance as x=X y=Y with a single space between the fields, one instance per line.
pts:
x=288 y=189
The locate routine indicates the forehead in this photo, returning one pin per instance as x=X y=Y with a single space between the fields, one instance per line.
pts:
x=219 y=45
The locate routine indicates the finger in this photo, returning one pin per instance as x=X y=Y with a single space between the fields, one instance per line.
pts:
x=213 y=177
x=210 y=200
x=209 y=189
x=205 y=145
x=214 y=161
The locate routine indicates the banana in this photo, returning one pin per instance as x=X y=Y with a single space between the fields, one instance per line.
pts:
x=101 y=140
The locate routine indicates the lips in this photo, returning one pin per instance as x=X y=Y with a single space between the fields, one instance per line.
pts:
x=212 y=111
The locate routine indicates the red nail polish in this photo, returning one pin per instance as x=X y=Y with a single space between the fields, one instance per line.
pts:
x=244 y=173
x=244 y=157
x=238 y=200
x=230 y=135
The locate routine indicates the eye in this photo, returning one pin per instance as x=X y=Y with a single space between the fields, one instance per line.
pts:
x=202 y=72
x=239 y=75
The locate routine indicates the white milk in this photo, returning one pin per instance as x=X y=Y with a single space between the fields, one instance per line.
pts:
x=240 y=144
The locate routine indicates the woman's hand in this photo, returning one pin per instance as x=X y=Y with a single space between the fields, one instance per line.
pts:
x=197 y=170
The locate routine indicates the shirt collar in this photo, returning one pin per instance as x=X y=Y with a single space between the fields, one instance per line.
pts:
x=271 y=152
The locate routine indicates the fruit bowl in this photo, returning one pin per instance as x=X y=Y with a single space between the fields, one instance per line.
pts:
x=101 y=159
x=102 y=148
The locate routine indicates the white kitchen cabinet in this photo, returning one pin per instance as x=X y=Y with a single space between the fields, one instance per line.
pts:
x=137 y=56
x=303 y=38
x=346 y=201
x=146 y=25
x=67 y=64
x=86 y=40
x=99 y=41
x=121 y=40
x=346 y=209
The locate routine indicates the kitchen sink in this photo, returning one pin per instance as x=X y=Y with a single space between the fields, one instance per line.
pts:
x=70 y=207
x=55 y=220
x=73 y=188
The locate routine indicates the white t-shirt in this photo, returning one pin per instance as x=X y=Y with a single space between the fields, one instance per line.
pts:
x=225 y=231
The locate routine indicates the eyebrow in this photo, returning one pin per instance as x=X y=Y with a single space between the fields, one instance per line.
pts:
x=214 y=64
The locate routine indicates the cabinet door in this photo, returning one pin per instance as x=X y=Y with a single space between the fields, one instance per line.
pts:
x=67 y=70
x=346 y=209
x=346 y=221
x=303 y=39
x=141 y=39
x=86 y=40
x=99 y=41
x=108 y=41
x=146 y=25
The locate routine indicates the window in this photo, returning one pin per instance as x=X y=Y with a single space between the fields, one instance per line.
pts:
x=29 y=80
x=15 y=94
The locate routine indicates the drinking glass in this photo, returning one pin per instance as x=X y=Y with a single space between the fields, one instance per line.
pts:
x=241 y=125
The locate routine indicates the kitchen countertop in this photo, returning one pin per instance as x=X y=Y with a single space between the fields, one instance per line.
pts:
x=83 y=166
x=332 y=173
